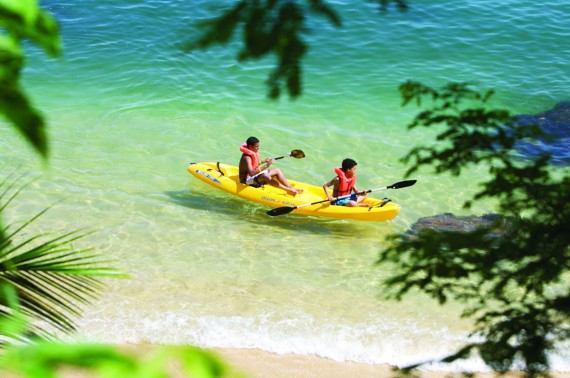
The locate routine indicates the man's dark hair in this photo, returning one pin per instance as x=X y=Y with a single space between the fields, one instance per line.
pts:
x=348 y=163
x=251 y=141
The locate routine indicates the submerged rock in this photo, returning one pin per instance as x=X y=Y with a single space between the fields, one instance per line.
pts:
x=554 y=122
x=450 y=223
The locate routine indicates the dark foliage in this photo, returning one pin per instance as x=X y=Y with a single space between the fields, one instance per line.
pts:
x=514 y=284
x=273 y=27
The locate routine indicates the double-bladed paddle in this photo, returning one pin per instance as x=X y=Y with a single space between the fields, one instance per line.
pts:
x=297 y=154
x=287 y=209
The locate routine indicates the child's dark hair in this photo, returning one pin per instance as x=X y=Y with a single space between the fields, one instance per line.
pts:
x=348 y=163
x=251 y=141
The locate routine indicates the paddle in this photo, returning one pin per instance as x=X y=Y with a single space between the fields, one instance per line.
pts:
x=287 y=209
x=297 y=154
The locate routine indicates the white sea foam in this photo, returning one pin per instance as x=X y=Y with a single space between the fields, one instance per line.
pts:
x=379 y=342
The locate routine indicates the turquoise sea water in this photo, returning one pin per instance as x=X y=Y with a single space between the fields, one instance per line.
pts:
x=128 y=110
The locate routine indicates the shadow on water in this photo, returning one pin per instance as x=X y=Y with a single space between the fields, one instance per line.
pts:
x=257 y=215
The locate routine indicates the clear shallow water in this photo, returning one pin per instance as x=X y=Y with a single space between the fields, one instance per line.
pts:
x=127 y=111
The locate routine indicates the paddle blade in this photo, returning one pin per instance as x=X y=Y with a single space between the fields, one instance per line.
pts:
x=280 y=211
x=297 y=154
x=402 y=184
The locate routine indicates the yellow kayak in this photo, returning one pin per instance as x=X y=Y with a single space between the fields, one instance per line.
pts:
x=225 y=177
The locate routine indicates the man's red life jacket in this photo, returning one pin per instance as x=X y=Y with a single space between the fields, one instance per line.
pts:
x=254 y=158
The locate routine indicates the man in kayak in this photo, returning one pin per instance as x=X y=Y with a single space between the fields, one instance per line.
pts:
x=344 y=183
x=252 y=174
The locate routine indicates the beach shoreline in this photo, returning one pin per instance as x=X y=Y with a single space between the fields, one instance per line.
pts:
x=255 y=363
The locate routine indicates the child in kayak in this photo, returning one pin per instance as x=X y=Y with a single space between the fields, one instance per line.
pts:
x=344 y=183
x=252 y=174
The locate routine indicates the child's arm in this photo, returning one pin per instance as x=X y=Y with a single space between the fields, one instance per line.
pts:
x=333 y=183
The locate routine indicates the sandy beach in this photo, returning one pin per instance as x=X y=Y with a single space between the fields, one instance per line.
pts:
x=258 y=364
x=253 y=363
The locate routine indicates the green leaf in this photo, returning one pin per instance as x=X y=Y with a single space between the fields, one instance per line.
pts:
x=23 y=19
x=44 y=359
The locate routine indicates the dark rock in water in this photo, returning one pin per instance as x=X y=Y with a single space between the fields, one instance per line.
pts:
x=559 y=114
x=450 y=223
x=554 y=122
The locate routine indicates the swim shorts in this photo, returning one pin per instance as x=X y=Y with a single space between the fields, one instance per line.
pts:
x=343 y=201
x=252 y=180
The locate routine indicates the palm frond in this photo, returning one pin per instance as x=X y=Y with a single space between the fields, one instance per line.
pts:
x=51 y=278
